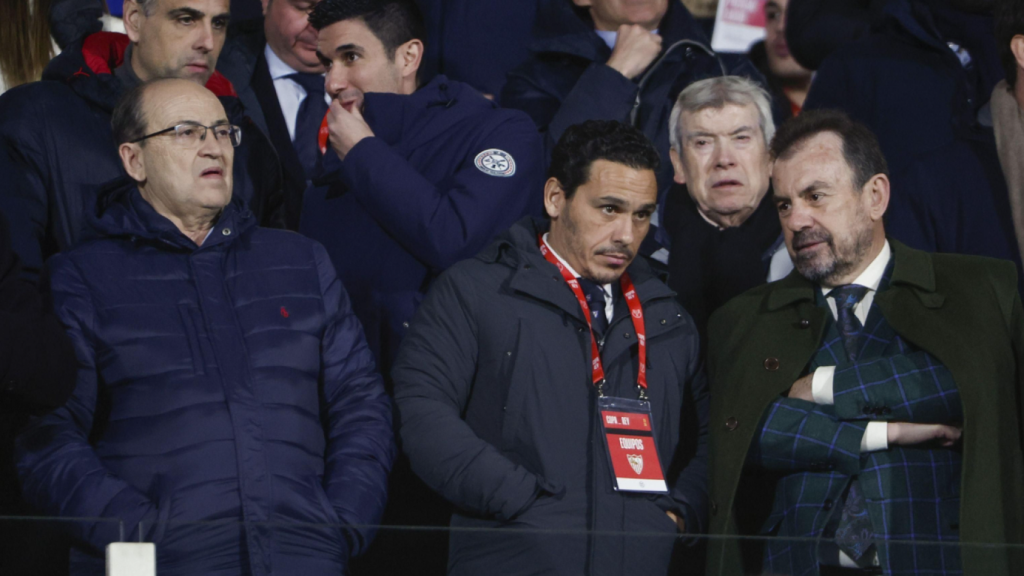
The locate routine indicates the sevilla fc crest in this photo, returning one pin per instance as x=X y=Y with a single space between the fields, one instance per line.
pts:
x=636 y=462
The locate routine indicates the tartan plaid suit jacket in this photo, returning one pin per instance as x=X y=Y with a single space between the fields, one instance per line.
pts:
x=912 y=494
x=939 y=310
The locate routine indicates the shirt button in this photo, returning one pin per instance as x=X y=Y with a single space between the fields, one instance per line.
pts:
x=405 y=324
x=626 y=335
x=771 y=364
x=226 y=231
x=732 y=423
x=663 y=321
x=805 y=323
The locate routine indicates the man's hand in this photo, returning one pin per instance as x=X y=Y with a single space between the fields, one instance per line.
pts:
x=634 y=51
x=801 y=389
x=679 y=520
x=909 y=434
x=346 y=128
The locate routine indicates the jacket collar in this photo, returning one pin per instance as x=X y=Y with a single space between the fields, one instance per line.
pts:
x=415 y=119
x=538 y=278
x=912 y=269
x=565 y=29
x=121 y=211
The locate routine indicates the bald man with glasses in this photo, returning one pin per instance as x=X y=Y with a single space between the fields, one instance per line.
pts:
x=225 y=382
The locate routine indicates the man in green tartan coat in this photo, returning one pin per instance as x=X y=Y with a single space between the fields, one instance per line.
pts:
x=866 y=410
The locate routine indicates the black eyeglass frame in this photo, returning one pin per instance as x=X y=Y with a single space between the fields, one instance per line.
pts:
x=202 y=137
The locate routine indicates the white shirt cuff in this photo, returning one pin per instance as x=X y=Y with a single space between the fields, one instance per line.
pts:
x=876 y=437
x=821 y=385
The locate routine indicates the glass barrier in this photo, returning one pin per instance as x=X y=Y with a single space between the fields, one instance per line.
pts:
x=44 y=546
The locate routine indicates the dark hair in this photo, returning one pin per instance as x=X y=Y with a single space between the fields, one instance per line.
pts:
x=860 y=147
x=583 y=144
x=393 y=22
x=128 y=122
x=1009 y=22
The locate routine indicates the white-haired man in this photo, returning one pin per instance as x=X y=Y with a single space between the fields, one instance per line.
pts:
x=724 y=228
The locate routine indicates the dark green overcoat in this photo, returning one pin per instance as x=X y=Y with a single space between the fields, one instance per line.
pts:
x=963 y=310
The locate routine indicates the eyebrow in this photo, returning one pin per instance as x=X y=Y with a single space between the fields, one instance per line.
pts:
x=186 y=11
x=703 y=134
x=198 y=123
x=620 y=202
x=340 y=50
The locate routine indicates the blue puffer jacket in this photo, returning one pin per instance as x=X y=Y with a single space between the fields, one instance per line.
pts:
x=222 y=384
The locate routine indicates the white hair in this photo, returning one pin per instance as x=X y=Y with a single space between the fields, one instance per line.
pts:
x=716 y=92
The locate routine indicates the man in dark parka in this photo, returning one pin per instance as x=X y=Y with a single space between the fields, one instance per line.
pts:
x=495 y=390
x=894 y=353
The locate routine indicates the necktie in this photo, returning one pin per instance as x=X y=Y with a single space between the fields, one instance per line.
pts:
x=850 y=328
x=595 y=300
x=854 y=533
x=308 y=120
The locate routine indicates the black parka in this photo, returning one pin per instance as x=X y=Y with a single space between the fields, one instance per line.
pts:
x=498 y=414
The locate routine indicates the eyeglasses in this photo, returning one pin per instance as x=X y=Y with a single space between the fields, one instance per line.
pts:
x=190 y=134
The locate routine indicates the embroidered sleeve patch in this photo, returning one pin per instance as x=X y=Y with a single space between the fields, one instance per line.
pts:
x=495 y=162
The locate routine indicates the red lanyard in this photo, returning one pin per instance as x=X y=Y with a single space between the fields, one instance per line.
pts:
x=636 y=314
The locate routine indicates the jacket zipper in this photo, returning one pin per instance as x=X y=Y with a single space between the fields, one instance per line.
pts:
x=640 y=87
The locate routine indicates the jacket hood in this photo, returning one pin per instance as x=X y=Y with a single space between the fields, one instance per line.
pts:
x=563 y=28
x=88 y=67
x=121 y=211
x=518 y=245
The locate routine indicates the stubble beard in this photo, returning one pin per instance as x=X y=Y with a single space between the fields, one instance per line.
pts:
x=839 y=260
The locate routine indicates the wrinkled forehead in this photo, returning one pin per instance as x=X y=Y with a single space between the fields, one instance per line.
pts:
x=168 y=104
x=723 y=119
x=633 y=188
x=206 y=7
x=816 y=159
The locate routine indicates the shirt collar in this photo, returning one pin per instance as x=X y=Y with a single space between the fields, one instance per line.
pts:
x=871 y=277
x=606 y=287
x=278 y=69
x=610 y=37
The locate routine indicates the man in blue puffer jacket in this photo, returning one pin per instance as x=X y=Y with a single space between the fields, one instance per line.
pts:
x=227 y=407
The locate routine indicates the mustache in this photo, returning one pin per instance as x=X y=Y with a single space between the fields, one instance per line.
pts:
x=807 y=237
x=616 y=250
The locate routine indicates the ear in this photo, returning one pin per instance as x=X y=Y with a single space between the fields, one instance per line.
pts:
x=677 y=164
x=131 y=159
x=1017 y=47
x=877 y=196
x=582 y=3
x=266 y=4
x=409 y=56
x=133 y=17
x=554 y=198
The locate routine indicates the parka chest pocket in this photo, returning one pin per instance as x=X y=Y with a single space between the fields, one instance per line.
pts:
x=191 y=319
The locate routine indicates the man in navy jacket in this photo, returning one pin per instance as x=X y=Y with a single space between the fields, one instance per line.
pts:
x=58 y=130
x=227 y=407
x=417 y=178
x=497 y=397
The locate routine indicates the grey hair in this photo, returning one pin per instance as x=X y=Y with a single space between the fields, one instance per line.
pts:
x=147 y=6
x=716 y=92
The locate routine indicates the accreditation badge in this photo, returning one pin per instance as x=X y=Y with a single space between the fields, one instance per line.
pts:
x=628 y=431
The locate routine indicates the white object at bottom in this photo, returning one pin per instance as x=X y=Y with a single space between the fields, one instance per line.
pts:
x=131 y=559
x=635 y=485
